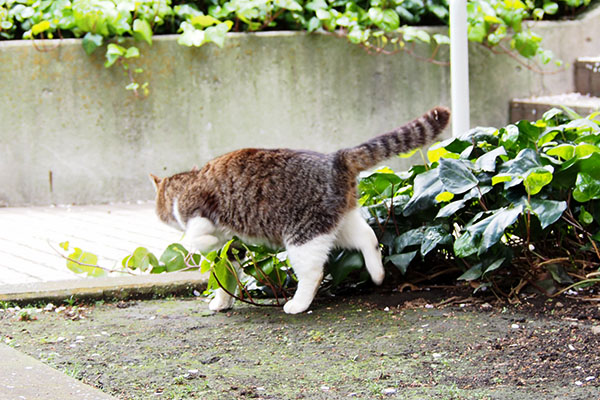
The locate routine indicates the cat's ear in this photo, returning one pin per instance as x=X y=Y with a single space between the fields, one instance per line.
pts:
x=155 y=181
x=195 y=168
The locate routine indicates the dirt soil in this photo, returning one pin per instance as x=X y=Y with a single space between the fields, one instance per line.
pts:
x=436 y=344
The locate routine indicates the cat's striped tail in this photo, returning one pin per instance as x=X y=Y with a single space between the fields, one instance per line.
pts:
x=401 y=140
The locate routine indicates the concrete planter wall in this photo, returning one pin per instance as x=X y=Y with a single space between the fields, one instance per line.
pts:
x=71 y=133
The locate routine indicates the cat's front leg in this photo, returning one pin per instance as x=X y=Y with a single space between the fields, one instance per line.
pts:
x=200 y=235
x=307 y=261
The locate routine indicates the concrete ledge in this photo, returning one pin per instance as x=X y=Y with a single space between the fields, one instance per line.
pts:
x=105 y=288
x=23 y=377
x=532 y=109
x=71 y=133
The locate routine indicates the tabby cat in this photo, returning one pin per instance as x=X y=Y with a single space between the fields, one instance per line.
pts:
x=302 y=200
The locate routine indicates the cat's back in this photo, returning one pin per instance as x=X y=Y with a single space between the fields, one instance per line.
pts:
x=261 y=191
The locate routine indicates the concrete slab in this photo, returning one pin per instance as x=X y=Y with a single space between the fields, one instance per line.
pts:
x=107 y=288
x=29 y=236
x=23 y=377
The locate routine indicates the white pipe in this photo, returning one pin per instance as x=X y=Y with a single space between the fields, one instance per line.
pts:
x=459 y=67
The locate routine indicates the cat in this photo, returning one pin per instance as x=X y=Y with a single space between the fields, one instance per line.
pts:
x=304 y=201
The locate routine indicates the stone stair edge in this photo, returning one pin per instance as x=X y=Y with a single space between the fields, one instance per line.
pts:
x=118 y=288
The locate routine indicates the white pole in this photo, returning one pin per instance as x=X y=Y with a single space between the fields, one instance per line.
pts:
x=459 y=67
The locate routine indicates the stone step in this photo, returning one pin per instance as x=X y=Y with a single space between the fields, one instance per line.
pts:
x=587 y=75
x=533 y=108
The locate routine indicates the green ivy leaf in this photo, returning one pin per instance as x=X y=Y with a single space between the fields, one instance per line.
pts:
x=537 y=178
x=497 y=225
x=550 y=7
x=547 y=211
x=91 y=42
x=142 y=30
x=456 y=176
x=432 y=236
x=343 y=265
x=113 y=53
x=402 y=260
x=473 y=273
x=487 y=162
x=174 y=257
x=586 y=188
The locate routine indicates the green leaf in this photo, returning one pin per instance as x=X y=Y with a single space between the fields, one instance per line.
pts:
x=345 y=263
x=494 y=265
x=390 y=21
x=216 y=34
x=79 y=257
x=547 y=211
x=487 y=162
x=475 y=272
x=451 y=208
x=585 y=217
x=402 y=260
x=550 y=7
x=537 y=178
x=432 y=236
x=202 y=21
x=509 y=136
x=91 y=42
x=140 y=259
x=559 y=274
x=132 y=52
x=64 y=246
x=412 y=237
x=426 y=187
x=444 y=196
x=113 y=53
x=501 y=178
x=375 y=15
x=174 y=257
x=313 y=24
x=586 y=188
x=584 y=150
x=40 y=27
x=497 y=225
x=565 y=151
x=441 y=39
x=142 y=30
x=456 y=176
x=477 y=32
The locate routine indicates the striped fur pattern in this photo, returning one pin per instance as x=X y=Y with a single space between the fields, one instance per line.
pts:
x=401 y=140
x=302 y=200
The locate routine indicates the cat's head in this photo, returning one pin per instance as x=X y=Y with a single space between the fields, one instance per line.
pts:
x=167 y=190
x=164 y=200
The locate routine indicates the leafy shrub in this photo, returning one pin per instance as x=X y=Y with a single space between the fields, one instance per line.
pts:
x=498 y=207
x=371 y=23
x=507 y=206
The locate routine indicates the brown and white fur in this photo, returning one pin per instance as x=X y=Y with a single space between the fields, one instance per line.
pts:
x=303 y=200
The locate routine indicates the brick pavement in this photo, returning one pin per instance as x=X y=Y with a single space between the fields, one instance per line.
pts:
x=27 y=235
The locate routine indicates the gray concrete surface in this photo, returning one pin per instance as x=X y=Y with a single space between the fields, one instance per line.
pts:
x=30 y=237
x=25 y=378
x=70 y=132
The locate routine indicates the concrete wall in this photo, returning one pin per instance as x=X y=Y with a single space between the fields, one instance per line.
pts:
x=63 y=114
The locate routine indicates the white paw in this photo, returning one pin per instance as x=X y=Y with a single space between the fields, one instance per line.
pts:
x=295 y=307
x=377 y=276
x=219 y=304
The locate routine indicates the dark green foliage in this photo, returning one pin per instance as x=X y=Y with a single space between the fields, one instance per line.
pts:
x=518 y=203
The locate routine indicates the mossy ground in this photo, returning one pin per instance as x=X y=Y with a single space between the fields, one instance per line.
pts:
x=382 y=345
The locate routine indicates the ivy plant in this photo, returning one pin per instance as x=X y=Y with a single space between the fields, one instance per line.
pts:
x=381 y=26
x=500 y=208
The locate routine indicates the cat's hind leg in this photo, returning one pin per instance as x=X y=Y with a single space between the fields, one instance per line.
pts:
x=355 y=233
x=308 y=260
